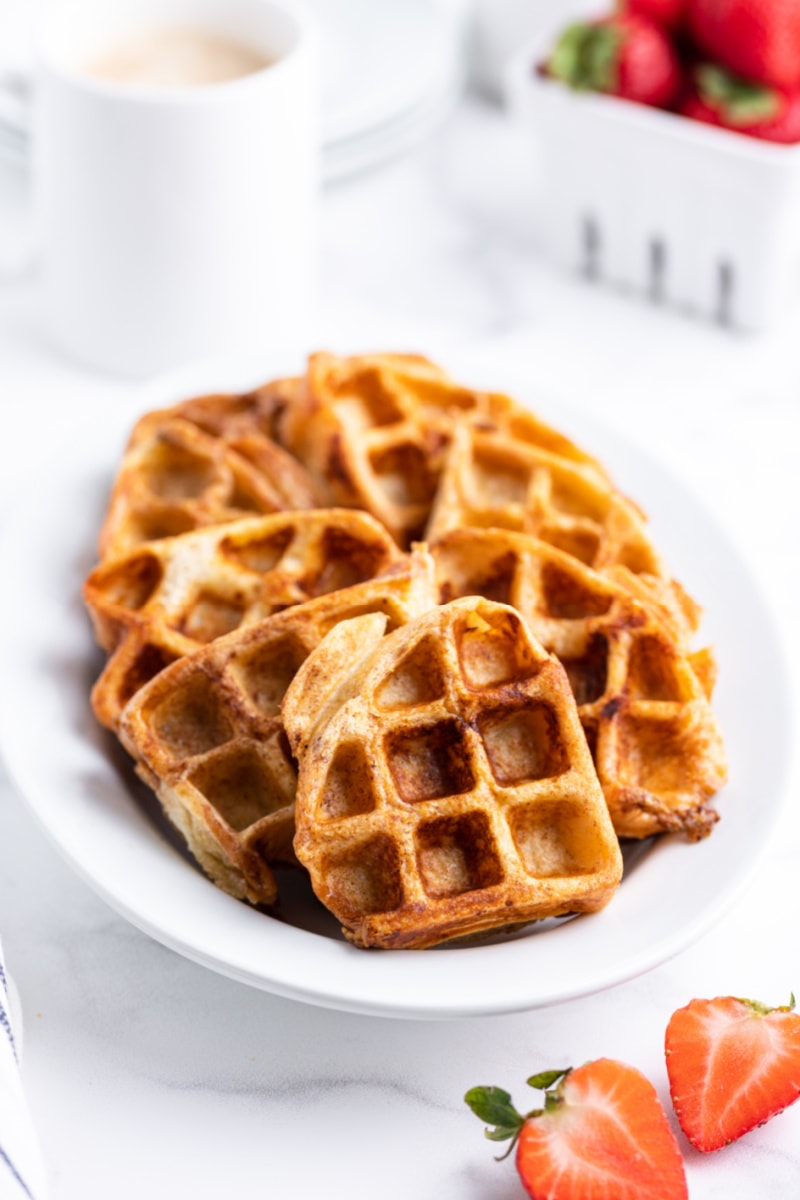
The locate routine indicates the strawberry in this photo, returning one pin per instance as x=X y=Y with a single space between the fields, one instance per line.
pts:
x=601 y=1135
x=625 y=55
x=732 y=1064
x=669 y=14
x=759 y=39
x=725 y=100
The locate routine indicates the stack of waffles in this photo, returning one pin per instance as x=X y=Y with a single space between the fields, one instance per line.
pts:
x=406 y=637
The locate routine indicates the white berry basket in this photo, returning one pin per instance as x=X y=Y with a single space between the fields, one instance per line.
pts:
x=684 y=213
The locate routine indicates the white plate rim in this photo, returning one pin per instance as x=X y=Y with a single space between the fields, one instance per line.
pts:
x=526 y=973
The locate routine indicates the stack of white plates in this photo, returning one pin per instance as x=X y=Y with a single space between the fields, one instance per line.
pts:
x=391 y=70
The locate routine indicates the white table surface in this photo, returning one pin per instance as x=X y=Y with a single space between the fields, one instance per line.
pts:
x=148 y=1075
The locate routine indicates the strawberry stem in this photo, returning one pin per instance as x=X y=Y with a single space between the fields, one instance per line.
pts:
x=494 y=1106
x=764 y=1010
x=585 y=57
x=738 y=101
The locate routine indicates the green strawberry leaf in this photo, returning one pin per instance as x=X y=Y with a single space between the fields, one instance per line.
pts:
x=502 y=1133
x=546 y=1079
x=586 y=57
x=737 y=100
x=493 y=1106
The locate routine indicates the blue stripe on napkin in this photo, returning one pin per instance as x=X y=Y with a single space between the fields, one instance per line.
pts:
x=15 y=1173
x=4 y=1021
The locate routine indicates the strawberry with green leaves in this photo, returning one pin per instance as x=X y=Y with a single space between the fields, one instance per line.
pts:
x=624 y=55
x=669 y=14
x=725 y=100
x=601 y=1134
x=758 y=39
x=732 y=1065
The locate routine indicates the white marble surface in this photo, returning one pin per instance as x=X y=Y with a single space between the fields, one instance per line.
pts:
x=148 y=1075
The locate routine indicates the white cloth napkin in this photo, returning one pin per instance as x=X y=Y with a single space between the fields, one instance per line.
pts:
x=22 y=1175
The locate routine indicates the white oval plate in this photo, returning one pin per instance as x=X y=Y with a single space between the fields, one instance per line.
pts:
x=81 y=786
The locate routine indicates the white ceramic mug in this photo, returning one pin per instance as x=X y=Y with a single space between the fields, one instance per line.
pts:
x=175 y=222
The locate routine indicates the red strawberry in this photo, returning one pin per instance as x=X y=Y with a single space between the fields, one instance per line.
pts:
x=722 y=99
x=601 y=1135
x=669 y=14
x=732 y=1064
x=625 y=56
x=759 y=39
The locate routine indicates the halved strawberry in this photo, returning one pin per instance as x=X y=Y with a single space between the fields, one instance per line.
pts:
x=732 y=1064
x=601 y=1135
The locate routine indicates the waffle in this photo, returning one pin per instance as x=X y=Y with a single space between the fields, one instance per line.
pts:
x=476 y=725
x=164 y=599
x=176 y=476
x=207 y=735
x=374 y=428
x=445 y=786
x=260 y=411
x=643 y=699
x=490 y=481
x=675 y=607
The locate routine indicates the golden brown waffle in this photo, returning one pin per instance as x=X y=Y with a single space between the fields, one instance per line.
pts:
x=446 y=783
x=445 y=789
x=642 y=699
x=208 y=738
x=164 y=599
x=373 y=429
x=228 y=415
x=675 y=607
x=175 y=476
x=491 y=481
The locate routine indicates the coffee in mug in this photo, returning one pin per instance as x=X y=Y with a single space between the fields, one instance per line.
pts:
x=177 y=57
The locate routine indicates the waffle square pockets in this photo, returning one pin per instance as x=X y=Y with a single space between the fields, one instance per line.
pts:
x=473 y=804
